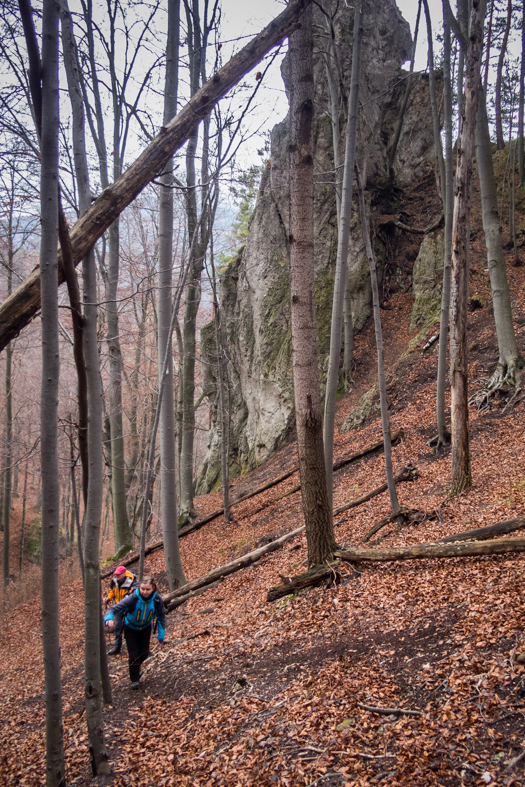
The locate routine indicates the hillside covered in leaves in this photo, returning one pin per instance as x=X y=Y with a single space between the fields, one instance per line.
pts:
x=401 y=673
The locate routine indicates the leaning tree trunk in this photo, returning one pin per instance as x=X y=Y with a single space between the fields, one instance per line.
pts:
x=49 y=395
x=17 y=311
x=385 y=422
x=168 y=473
x=510 y=360
x=340 y=283
x=461 y=469
x=443 y=434
x=316 y=502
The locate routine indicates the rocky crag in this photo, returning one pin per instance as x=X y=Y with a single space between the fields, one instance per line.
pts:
x=254 y=289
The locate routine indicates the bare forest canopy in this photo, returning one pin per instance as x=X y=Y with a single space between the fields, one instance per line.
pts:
x=20 y=308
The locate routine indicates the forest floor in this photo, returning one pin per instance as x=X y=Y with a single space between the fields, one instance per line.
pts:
x=248 y=692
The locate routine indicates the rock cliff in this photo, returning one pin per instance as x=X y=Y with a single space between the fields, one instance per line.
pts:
x=254 y=289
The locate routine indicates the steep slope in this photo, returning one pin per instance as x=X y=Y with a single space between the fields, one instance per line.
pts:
x=247 y=692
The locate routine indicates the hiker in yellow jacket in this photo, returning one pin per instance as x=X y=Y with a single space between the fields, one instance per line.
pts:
x=122 y=583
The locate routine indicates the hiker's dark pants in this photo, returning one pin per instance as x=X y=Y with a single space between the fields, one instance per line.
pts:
x=137 y=641
x=118 y=625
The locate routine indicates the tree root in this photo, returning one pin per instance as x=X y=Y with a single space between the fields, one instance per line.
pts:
x=437 y=442
x=505 y=378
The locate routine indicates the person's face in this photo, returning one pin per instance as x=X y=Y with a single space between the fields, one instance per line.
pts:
x=146 y=590
x=120 y=578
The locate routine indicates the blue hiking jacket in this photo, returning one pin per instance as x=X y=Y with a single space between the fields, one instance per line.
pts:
x=139 y=612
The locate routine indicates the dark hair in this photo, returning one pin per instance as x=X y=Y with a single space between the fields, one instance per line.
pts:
x=148 y=581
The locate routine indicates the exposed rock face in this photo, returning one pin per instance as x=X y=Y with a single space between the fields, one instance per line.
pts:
x=427 y=280
x=254 y=290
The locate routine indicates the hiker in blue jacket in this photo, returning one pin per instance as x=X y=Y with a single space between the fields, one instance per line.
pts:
x=139 y=608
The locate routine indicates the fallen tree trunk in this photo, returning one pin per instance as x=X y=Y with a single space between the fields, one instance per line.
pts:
x=407 y=473
x=398 y=435
x=19 y=309
x=482 y=533
x=230 y=568
x=178 y=602
x=499 y=546
x=315 y=576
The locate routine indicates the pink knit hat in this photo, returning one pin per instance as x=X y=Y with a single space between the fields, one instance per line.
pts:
x=119 y=570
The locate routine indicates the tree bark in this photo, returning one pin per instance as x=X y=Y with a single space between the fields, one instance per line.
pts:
x=315 y=576
x=443 y=435
x=521 y=105
x=315 y=496
x=343 y=235
x=482 y=533
x=8 y=445
x=22 y=526
x=499 y=546
x=461 y=468
x=17 y=311
x=94 y=661
x=385 y=421
x=168 y=473
x=49 y=396
x=499 y=78
x=510 y=360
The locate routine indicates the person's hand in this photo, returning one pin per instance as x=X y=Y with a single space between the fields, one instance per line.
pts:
x=160 y=643
x=110 y=625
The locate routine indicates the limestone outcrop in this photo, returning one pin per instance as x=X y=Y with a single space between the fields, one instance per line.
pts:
x=254 y=289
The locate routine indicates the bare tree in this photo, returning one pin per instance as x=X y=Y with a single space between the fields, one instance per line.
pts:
x=314 y=489
x=342 y=251
x=521 y=167
x=461 y=469
x=443 y=435
x=510 y=360
x=18 y=311
x=499 y=78
x=93 y=641
x=385 y=421
x=168 y=479
x=49 y=395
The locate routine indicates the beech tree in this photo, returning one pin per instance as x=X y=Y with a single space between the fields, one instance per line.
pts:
x=443 y=435
x=314 y=488
x=499 y=79
x=168 y=479
x=342 y=251
x=385 y=421
x=49 y=395
x=461 y=468
x=94 y=639
x=510 y=360
x=521 y=104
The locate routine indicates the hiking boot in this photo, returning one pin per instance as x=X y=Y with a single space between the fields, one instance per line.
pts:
x=114 y=650
x=135 y=685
